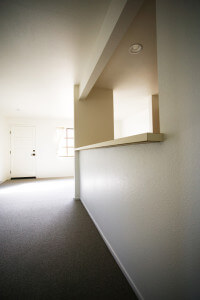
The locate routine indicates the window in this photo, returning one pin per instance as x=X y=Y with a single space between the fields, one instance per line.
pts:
x=65 y=142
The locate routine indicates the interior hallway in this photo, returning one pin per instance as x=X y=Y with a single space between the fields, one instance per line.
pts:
x=50 y=248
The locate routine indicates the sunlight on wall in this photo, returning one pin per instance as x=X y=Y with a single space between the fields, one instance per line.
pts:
x=132 y=116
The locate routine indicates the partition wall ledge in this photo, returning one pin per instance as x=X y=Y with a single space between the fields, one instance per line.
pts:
x=134 y=139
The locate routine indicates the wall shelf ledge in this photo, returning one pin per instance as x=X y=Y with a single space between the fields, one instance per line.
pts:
x=134 y=139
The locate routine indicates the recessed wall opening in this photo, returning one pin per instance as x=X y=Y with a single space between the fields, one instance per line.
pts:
x=134 y=77
x=133 y=96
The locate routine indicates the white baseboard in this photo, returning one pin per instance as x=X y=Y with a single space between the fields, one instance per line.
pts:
x=132 y=284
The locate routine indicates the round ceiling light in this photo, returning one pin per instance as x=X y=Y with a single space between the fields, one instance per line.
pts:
x=135 y=48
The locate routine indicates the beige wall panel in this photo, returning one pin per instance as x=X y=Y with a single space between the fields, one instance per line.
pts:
x=93 y=117
x=155 y=114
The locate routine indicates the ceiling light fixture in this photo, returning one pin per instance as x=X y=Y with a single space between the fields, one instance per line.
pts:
x=135 y=48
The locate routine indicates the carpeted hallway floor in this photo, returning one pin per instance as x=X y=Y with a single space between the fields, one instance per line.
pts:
x=50 y=248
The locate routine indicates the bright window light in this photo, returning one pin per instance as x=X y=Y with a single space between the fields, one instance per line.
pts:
x=65 y=137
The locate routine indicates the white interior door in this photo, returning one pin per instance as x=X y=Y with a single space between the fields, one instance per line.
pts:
x=23 y=163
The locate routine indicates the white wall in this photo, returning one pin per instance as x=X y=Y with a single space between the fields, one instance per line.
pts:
x=179 y=73
x=117 y=129
x=4 y=150
x=145 y=198
x=137 y=118
x=136 y=124
x=48 y=164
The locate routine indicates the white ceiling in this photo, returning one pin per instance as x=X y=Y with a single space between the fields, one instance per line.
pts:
x=44 y=48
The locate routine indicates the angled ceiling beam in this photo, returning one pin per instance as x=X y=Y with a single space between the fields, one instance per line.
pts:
x=117 y=20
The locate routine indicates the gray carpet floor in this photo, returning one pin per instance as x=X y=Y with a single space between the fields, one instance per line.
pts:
x=50 y=248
